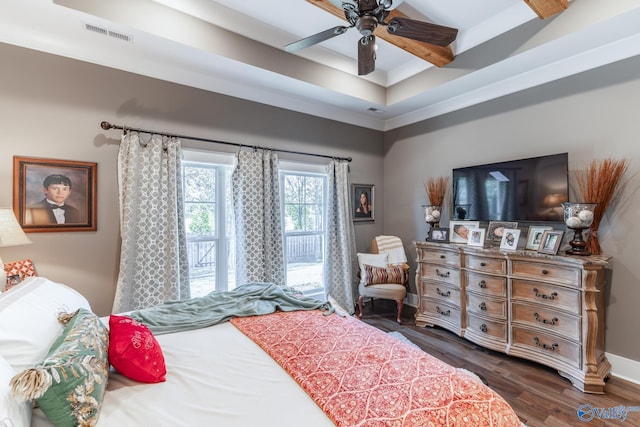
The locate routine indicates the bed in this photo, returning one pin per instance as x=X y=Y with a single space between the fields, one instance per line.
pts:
x=287 y=366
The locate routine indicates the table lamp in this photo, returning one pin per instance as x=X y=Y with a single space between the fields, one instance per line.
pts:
x=11 y=234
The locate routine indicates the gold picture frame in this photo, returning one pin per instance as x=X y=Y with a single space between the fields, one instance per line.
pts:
x=34 y=181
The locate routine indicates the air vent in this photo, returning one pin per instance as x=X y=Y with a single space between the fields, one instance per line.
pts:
x=109 y=33
x=375 y=110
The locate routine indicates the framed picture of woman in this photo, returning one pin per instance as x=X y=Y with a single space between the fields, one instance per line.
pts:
x=54 y=195
x=363 y=202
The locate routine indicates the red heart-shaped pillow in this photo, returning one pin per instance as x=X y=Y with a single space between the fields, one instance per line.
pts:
x=134 y=351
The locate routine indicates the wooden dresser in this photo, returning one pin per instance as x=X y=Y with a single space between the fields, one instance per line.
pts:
x=545 y=308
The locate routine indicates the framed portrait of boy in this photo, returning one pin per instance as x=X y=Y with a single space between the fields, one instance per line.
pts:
x=54 y=195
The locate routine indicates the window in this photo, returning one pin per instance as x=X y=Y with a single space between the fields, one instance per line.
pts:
x=209 y=225
x=304 y=206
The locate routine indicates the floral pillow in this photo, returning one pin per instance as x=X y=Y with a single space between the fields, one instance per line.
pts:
x=69 y=384
x=134 y=351
x=379 y=275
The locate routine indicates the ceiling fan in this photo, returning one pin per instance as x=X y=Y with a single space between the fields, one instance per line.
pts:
x=366 y=16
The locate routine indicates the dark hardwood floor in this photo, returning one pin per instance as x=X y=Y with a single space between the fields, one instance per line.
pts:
x=538 y=394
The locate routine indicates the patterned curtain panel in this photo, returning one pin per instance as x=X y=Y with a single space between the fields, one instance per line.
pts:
x=258 y=219
x=340 y=250
x=154 y=266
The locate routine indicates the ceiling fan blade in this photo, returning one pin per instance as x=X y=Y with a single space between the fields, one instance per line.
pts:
x=316 y=38
x=422 y=31
x=366 y=55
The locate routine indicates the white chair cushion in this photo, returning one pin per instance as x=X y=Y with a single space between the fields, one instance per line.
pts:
x=385 y=291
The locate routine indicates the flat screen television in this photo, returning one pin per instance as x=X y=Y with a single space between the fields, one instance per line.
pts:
x=522 y=190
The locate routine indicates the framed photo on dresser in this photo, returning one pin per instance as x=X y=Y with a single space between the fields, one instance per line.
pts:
x=510 y=237
x=460 y=230
x=439 y=235
x=550 y=243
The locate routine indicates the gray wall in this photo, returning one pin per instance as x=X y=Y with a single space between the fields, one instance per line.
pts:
x=593 y=115
x=51 y=107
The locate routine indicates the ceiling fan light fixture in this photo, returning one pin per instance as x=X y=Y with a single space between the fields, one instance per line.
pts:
x=389 y=4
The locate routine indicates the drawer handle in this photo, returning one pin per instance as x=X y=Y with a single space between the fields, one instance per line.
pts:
x=444 y=313
x=539 y=343
x=544 y=271
x=482 y=284
x=483 y=264
x=484 y=328
x=544 y=296
x=443 y=256
x=443 y=294
x=444 y=275
x=483 y=306
x=545 y=321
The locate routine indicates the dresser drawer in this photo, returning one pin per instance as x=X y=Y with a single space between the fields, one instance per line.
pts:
x=491 y=328
x=481 y=304
x=547 y=319
x=481 y=283
x=441 y=291
x=445 y=257
x=442 y=311
x=554 y=297
x=439 y=273
x=548 y=345
x=547 y=272
x=486 y=264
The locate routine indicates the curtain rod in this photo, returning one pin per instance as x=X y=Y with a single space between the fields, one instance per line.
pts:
x=107 y=126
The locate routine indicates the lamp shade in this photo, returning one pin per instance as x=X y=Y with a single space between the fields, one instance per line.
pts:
x=11 y=233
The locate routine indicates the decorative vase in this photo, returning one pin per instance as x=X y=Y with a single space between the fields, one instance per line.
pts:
x=432 y=216
x=578 y=217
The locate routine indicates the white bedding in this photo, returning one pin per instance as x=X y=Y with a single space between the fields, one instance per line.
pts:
x=216 y=376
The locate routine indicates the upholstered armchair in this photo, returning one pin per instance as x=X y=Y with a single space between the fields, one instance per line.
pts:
x=384 y=272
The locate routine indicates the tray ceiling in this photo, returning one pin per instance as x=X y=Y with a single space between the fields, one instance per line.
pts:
x=237 y=48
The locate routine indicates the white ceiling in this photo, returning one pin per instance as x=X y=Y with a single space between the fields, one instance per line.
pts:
x=236 y=48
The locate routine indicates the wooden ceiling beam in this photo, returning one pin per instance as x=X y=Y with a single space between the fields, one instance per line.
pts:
x=436 y=55
x=546 y=8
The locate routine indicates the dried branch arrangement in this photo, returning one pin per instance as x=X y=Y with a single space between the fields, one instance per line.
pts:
x=599 y=183
x=436 y=189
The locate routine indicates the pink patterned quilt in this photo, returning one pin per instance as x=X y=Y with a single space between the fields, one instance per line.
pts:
x=361 y=376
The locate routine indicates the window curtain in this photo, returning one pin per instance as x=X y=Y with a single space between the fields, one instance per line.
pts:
x=154 y=266
x=258 y=218
x=340 y=247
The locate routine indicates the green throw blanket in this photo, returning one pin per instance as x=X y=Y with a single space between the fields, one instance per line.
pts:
x=219 y=306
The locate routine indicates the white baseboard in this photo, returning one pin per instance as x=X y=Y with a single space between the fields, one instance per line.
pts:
x=411 y=300
x=621 y=367
x=624 y=368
